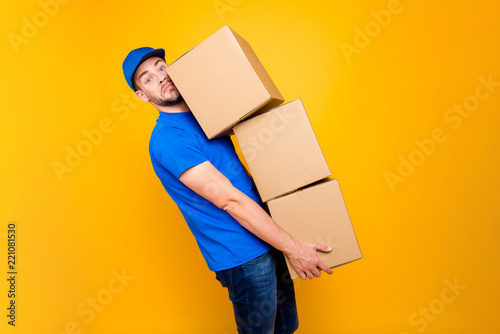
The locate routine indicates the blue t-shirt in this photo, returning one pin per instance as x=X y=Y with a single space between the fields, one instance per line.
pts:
x=178 y=143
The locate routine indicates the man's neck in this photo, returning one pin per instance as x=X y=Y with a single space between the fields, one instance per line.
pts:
x=180 y=107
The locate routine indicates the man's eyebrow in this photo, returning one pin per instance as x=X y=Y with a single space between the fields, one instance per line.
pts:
x=146 y=71
x=143 y=73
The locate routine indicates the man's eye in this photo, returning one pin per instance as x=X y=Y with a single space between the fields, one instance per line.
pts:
x=148 y=80
x=162 y=68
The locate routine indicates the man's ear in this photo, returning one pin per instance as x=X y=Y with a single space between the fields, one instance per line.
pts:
x=140 y=94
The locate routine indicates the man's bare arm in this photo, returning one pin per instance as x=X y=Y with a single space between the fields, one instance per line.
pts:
x=208 y=182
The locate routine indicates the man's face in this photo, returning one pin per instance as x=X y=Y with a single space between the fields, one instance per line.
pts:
x=154 y=84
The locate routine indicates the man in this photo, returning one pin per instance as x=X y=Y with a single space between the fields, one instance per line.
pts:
x=238 y=239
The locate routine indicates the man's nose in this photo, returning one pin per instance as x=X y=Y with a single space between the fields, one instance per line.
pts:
x=164 y=78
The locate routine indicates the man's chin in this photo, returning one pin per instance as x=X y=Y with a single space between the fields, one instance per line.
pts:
x=171 y=103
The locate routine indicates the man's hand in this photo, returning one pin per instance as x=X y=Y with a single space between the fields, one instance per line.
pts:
x=208 y=182
x=305 y=260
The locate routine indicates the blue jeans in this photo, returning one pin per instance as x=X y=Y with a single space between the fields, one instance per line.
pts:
x=262 y=294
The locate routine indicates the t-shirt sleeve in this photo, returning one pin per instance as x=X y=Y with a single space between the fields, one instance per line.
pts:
x=177 y=150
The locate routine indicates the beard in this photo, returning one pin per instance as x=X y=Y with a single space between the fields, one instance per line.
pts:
x=169 y=102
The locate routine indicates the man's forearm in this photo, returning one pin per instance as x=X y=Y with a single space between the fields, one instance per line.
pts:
x=253 y=217
x=250 y=215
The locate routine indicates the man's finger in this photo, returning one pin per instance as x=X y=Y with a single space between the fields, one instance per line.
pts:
x=325 y=268
x=316 y=272
x=323 y=248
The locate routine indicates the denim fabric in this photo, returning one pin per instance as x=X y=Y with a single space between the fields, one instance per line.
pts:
x=262 y=294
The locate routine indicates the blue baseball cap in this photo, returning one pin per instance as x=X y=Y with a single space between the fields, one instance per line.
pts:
x=135 y=58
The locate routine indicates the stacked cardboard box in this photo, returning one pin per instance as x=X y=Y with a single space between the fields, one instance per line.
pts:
x=223 y=82
x=317 y=213
x=281 y=150
x=226 y=87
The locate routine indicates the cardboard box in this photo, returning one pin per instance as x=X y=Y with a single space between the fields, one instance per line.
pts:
x=318 y=214
x=281 y=150
x=223 y=82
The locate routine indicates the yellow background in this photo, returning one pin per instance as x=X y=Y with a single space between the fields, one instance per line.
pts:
x=110 y=212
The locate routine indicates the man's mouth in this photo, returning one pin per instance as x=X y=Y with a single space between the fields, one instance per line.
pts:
x=167 y=87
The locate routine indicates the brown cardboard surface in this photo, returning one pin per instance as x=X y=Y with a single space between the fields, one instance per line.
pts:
x=223 y=81
x=318 y=214
x=281 y=150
